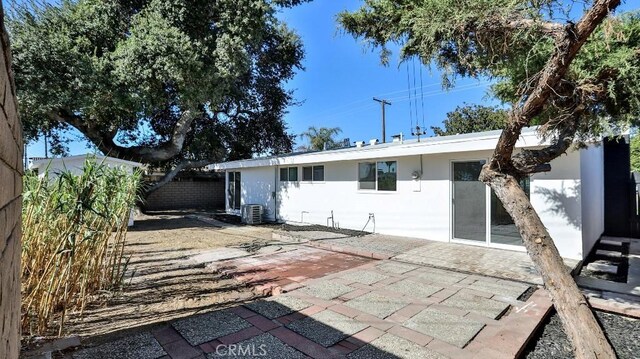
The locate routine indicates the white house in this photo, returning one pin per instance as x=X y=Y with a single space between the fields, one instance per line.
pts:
x=427 y=189
x=74 y=164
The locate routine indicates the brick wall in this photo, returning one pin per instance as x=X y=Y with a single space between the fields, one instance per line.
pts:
x=187 y=195
x=10 y=206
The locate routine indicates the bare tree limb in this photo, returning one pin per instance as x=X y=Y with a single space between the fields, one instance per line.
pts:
x=172 y=174
x=104 y=140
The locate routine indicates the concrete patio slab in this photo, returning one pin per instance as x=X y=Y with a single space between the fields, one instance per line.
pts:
x=264 y=345
x=440 y=277
x=447 y=327
x=207 y=327
x=480 y=260
x=413 y=288
x=139 y=346
x=390 y=346
x=327 y=327
x=278 y=306
x=396 y=267
x=378 y=305
x=507 y=289
x=218 y=255
x=326 y=289
x=392 y=310
x=476 y=304
x=364 y=276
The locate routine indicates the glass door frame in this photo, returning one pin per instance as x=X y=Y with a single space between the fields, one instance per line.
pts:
x=487 y=242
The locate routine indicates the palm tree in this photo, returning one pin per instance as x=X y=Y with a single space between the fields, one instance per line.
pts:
x=321 y=138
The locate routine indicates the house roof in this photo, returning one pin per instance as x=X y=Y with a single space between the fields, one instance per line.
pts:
x=431 y=145
x=38 y=162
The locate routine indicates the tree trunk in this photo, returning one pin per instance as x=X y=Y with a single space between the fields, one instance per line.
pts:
x=173 y=172
x=577 y=318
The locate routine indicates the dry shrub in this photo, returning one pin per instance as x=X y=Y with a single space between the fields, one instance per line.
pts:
x=74 y=229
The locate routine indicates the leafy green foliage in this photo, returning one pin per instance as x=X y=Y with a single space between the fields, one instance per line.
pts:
x=126 y=71
x=635 y=153
x=321 y=138
x=472 y=118
x=510 y=41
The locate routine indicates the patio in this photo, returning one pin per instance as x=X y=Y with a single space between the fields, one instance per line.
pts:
x=379 y=309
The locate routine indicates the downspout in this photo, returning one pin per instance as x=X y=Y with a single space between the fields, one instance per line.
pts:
x=275 y=194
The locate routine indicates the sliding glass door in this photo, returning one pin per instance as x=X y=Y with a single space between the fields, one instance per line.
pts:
x=503 y=230
x=469 y=202
x=476 y=208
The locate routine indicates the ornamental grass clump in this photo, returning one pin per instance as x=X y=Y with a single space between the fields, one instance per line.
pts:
x=74 y=229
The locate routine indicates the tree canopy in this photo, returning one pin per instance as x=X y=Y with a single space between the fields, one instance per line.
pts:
x=571 y=66
x=166 y=82
x=509 y=42
x=472 y=118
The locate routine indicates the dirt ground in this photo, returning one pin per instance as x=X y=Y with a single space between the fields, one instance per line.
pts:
x=162 y=282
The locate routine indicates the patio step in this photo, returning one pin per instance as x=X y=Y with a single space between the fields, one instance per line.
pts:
x=606 y=253
x=602 y=266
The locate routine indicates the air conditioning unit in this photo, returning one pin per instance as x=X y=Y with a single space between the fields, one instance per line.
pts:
x=252 y=213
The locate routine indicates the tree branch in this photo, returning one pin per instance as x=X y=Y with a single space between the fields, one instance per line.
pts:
x=104 y=139
x=172 y=174
x=548 y=80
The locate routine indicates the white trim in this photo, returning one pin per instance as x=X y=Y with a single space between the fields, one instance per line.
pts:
x=432 y=145
x=45 y=161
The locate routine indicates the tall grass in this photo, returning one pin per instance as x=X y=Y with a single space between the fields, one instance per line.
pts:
x=74 y=229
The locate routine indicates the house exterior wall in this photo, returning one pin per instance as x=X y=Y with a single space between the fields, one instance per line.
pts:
x=418 y=208
x=11 y=170
x=257 y=186
x=556 y=196
x=592 y=188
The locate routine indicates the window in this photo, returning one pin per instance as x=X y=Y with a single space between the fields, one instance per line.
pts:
x=318 y=173
x=307 y=173
x=381 y=176
x=234 y=191
x=313 y=173
x=293 y=174
x=288 y=174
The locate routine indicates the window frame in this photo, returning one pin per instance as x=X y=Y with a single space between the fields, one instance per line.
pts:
x=313 y=174
x=376 y=188
x=287 y=170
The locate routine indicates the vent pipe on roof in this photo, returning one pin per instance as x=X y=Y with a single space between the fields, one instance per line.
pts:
x=359 y=144
x=373 y=141
x=398 y=138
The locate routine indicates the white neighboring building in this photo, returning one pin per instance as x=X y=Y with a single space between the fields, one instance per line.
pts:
x=427 y=189
x=74 y=164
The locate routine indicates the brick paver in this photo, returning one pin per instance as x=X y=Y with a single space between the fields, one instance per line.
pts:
x=376 y=308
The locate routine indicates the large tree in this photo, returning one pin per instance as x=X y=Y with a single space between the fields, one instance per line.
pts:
x=471 y=118
x=172 y=83
x=574 y=68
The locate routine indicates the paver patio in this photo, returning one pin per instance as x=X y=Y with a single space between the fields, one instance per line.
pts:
x=370 y=311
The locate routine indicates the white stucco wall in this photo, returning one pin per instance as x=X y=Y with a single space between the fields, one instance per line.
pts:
x=257 y=187
x=420 y=209
x=592 y=186
x=75 y=164
x=556 y=196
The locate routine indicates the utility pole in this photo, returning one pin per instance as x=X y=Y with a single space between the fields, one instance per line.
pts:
x=383 y=103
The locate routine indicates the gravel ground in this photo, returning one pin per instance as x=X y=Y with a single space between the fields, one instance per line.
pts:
x=233 y=219
x=552 y=342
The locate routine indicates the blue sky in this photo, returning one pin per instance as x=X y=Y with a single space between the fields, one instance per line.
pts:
x=342 y=76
